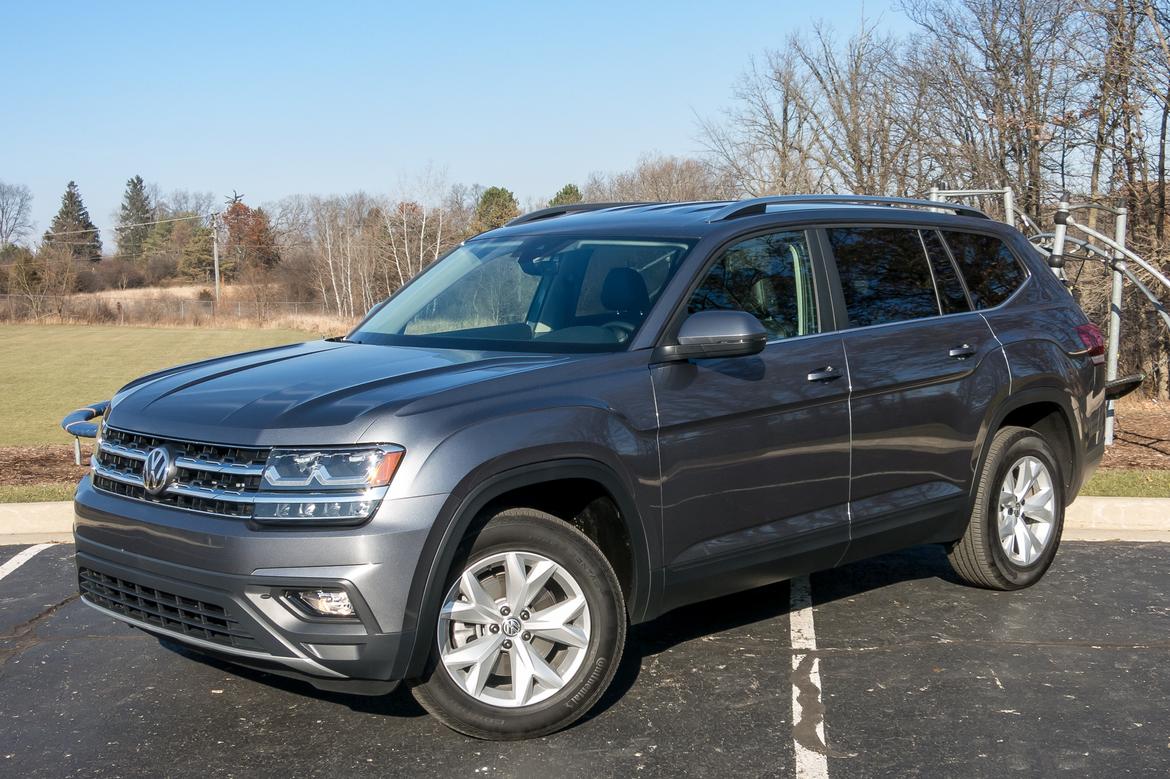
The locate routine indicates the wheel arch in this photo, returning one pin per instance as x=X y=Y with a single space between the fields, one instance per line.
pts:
x=1049 y=411
x=487 y=485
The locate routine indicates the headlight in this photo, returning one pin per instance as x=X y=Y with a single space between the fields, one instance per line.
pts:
x=331 y=469
x=325 y=486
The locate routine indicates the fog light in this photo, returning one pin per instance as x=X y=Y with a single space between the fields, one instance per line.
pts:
x=327 y=603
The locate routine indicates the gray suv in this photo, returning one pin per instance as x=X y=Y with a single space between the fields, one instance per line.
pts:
x=584 y=419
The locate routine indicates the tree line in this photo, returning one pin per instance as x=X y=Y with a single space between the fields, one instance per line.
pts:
x=1045 y=96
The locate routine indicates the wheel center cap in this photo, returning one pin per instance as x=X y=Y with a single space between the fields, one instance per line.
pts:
x=510 y=627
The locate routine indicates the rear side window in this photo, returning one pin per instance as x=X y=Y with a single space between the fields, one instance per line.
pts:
x=951 y=297
x=990 y=269
x=884 y=274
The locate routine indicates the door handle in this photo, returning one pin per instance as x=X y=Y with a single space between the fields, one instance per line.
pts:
x=963 y=352
x=828 y=373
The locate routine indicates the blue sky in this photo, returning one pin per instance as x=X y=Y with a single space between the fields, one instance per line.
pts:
x=285 y=98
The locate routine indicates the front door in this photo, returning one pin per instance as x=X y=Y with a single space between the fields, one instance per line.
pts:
x=755 y=450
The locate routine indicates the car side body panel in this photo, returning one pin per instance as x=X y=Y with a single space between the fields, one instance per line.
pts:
x=916 y=414
x=755 y=467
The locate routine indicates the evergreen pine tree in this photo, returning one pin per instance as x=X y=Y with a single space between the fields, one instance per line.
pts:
x=568 y=195
x=195 y=262
x=73 y=229
x=136 y=209
x=495 y=207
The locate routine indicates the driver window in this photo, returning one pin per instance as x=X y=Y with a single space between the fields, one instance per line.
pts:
x=770 y=277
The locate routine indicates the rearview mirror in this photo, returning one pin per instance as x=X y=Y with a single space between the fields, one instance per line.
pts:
x=711 y=334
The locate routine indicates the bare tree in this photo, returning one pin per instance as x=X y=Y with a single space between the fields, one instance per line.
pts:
x=820 y=116
x=659 y=177
x=764 y=144
x=15 y=210
x=1005 y=77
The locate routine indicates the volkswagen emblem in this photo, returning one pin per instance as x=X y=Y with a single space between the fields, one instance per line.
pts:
x=157 y=470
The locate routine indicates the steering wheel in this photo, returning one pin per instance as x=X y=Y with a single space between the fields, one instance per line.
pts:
x=621 y=330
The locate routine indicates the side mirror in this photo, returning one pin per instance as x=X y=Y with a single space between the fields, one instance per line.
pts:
x=711 y=334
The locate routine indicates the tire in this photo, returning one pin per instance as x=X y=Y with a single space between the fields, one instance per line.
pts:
x=583 y=652
x=990 y=554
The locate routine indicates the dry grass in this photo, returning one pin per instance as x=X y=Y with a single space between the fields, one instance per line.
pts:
x=178 y=306
x=178 y=291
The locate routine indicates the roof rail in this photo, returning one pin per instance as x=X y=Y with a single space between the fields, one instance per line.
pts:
x=760 y=205
x=563 y=210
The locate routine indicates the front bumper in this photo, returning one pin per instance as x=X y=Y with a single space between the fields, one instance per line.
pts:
x=219 y=587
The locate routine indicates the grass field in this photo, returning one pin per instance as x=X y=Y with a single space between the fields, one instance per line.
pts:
x=46 y=371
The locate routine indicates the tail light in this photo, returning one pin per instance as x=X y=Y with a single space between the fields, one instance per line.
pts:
x=1094 y=342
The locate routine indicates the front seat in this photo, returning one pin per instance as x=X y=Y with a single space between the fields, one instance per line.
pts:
x=624 y=293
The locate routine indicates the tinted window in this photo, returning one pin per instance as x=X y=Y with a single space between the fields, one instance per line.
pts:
x=884 y=274
x=951 y=296
x=770 y=277
x=990 y=269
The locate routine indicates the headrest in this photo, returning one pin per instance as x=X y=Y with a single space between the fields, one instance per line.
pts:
x=624 y=290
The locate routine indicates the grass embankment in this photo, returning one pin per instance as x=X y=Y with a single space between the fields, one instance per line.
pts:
x=1129 y=483
x=35 y=493
x=46 y=371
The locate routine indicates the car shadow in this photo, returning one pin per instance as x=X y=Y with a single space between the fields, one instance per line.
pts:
x=744 y=609
x=688 y=623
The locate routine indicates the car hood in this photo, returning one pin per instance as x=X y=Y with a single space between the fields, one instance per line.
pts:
x=317 y=393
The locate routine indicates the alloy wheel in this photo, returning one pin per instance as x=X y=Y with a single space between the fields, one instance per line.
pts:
x=1027 y=510
x=514 y=629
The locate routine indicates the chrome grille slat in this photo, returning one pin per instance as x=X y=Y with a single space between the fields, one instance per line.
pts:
x=122 y=451
x=189 y=463
x=193 y=464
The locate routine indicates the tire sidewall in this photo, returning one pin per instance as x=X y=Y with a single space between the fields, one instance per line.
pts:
x=1023 y=444
x=564 y=545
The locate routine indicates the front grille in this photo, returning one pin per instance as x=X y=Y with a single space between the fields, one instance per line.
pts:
x=188 y=617
x=189 y=502
x=209 y=478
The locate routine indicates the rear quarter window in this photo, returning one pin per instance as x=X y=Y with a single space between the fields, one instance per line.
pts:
x=989 y=268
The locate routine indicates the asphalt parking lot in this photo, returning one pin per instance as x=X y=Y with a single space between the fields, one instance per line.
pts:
x=918 y=674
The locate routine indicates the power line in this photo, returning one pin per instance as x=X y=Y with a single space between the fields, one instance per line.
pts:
x=127 y=227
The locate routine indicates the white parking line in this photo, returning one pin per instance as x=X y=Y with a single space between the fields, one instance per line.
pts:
x=808 y=721
x=20 y=558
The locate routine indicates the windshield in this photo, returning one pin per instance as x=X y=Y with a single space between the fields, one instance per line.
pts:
x=541 y=293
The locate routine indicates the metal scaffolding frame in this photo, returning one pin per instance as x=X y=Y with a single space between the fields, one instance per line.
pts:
x=1116 y=255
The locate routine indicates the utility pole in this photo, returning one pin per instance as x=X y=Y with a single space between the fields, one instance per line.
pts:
x=215 y=254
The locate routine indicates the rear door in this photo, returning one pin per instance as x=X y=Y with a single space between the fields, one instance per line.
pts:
x=755 y=450
x=923 y=367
